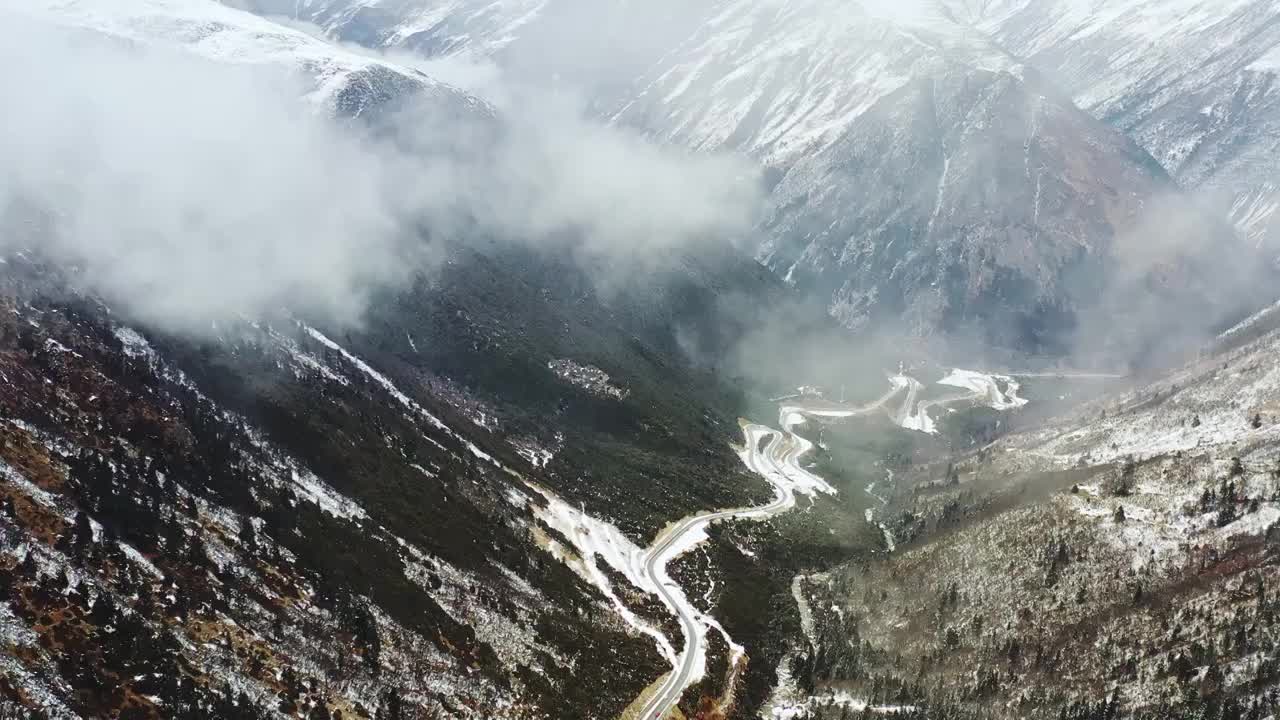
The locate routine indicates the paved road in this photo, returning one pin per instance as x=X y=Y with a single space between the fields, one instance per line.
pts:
x=666 y=549
x=913 y=387
x=914 y=413
x=1066 y=375
x=776 y=456
x=779 y=462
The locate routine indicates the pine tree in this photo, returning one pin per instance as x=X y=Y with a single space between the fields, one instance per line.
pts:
x=1208 y=499
x=174 y=536
x=248 y=536
x=28 y=569
x=951 y=639
x=392 y=707
x=196 y=554
x=1227 y=515
x=82 y=533
x=104 y=610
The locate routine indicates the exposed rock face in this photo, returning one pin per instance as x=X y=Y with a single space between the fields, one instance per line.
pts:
x=783 y=81
x=1028 y=573
x=346 y=504
x=923 y=209
x=931 y=163
x=1193 y=82
x=926 y=174
x=288 y=513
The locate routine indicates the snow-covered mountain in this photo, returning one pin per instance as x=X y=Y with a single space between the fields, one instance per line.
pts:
x=980 y=209
x=479 y=26
x=972 y=201
x=286 y=514
x=600 y=47
x=441 y=511
x=337 y=79
x=926 y=172
x=782 y=80
x=1192 y=81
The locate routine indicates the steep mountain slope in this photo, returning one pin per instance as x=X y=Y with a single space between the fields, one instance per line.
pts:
x=216 y=553
x=1006 y=245
x=349 y=84
x=599 y=48
x=432 y=28
x=782 y=80
x=927 y=176
x=281 y=482
x=1119 y=557
x=288 y=513
x=969 y=202
x=1192 y=81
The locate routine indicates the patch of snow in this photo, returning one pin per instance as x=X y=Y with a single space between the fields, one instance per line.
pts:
x=889 y=543
x=594 y=539
x=10 y=475
x=834 y=699
x=306 y=361
x=409 y=403
x=37 y=690
x=134 y=345
x=139 y=559
x=986 y=389
x=314 y=490
x=54 y=345
x=224 y=34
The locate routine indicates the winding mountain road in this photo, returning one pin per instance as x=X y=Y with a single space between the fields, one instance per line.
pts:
x=776 y=456
x=668 y=693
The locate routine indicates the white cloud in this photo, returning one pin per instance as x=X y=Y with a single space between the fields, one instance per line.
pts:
x=194 y=191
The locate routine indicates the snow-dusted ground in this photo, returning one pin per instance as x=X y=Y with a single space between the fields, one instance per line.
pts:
x=217 y=32
x=1192 y=81
x=781 y=79
x=305 y=482
x=983 y=389
x=986 y=389
x=774 y=454
x=511 y=630
x=409 y=403
x=802 y=708
x=1148 y=493
x=471 y=28
x=594 y=541
x=1249 y=323
x=1202 y=407
x=1183 y=434
x=911 y=416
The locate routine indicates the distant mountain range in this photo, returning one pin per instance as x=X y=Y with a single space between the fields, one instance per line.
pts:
x=1193 y=82
x=295 y=516
x=935 y=161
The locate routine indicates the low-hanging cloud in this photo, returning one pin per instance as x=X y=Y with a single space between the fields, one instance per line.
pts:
x=192 y=191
